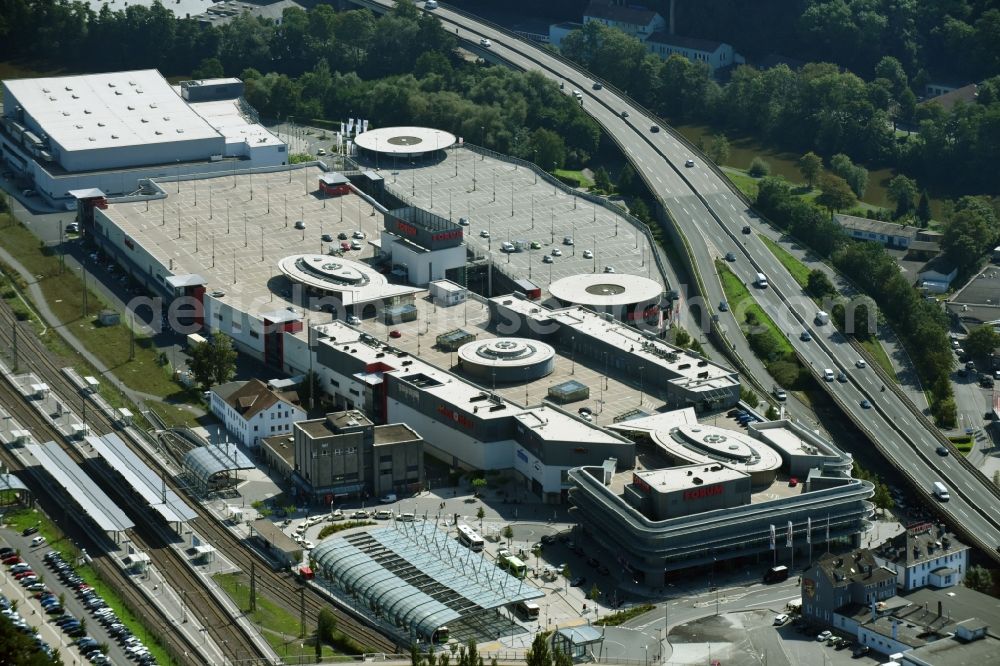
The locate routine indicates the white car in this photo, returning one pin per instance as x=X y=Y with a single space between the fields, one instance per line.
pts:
x=360 y=235
x=547 y=259
x=587 y=254
x=507 y=247
x=485 y=43
x=484 y=234
x=353 y=320
x=780 y=619
x=609 y=269
x=567 y=240
x=860 y=363
x=689 y=163
x=431 y=4
x=556 y=252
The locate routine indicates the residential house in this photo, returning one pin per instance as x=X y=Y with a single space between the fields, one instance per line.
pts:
x=947 y=96
x=838 y=581
x=713 y=53
x=631 y=19
x=856 y=598
x=936 y=276
x=251 y=411
x=924 y=555
x=889 y=234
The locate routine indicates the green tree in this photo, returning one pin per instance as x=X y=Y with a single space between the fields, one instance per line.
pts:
x=480 y=514
x=945 y=412
x=718 y=149
x=478 y=485
x=681 y=337
x=18 y=648
x=209 y=68
x=924 y=209
x=748 y=396
x=200 y=364
x=810 y=165
x=550 y=148
x=602 y=180
x=981 y=341
x=970 y=232
x=883 y=498
x=223 y=358
x=835 y=193
x=561 y=658
x=507 y=533
x=595 y=592
x=641 y=211
x=902 y=191
x=979 y=579
x=539 y=654
x=628 y=181
x=819 y=284
x=771 y=414
x=759 y=167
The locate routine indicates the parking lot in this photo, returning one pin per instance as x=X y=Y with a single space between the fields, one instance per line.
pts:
x=50 y=602
x=505 y=203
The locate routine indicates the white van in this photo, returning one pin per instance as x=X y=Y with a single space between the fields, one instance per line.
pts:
x=941 y=491
x=828 y=374
x=761 y=281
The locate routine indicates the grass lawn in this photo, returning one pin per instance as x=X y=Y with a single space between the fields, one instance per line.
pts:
x=798 y=270
x=875 y=348
x=279 y=627
x=20 y=519
x=801 y=274
x=576 y=176
x=740 y=300
x=617 y=618
x=963 y=443
x=63 y=292
x=745 y=183
x=175 y=416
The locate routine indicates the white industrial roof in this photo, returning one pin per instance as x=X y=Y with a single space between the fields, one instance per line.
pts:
x=225 y=116
x=606 y=289
x=404 y=140
x=115 y=109
x=94 y=502
x=144 y=481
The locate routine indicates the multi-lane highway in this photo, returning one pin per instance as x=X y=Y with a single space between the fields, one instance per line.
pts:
x=711 y=217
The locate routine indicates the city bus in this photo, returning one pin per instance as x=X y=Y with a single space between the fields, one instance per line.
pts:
x=514 y=566
x=468 y=538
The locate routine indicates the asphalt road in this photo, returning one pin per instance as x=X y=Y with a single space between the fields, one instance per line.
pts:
x=711 y=216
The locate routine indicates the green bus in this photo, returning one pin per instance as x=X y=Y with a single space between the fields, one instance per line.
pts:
x=514 y=566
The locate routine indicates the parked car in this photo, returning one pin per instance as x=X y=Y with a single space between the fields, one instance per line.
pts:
x=780 y=619
x=822 y=636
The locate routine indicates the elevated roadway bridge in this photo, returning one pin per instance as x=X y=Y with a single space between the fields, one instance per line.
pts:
x=708 y=215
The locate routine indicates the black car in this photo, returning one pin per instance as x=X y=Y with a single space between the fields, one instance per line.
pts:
x=746 y=229
x=654 y=129
x=578 y=581
x=547 y=539
x=28 y=531
x=942 y=450
x=592 y=562
x=342 y=236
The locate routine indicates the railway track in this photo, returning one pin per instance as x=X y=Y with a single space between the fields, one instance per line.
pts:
x=150 y=536
x=51 y=501
x=282 y=587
